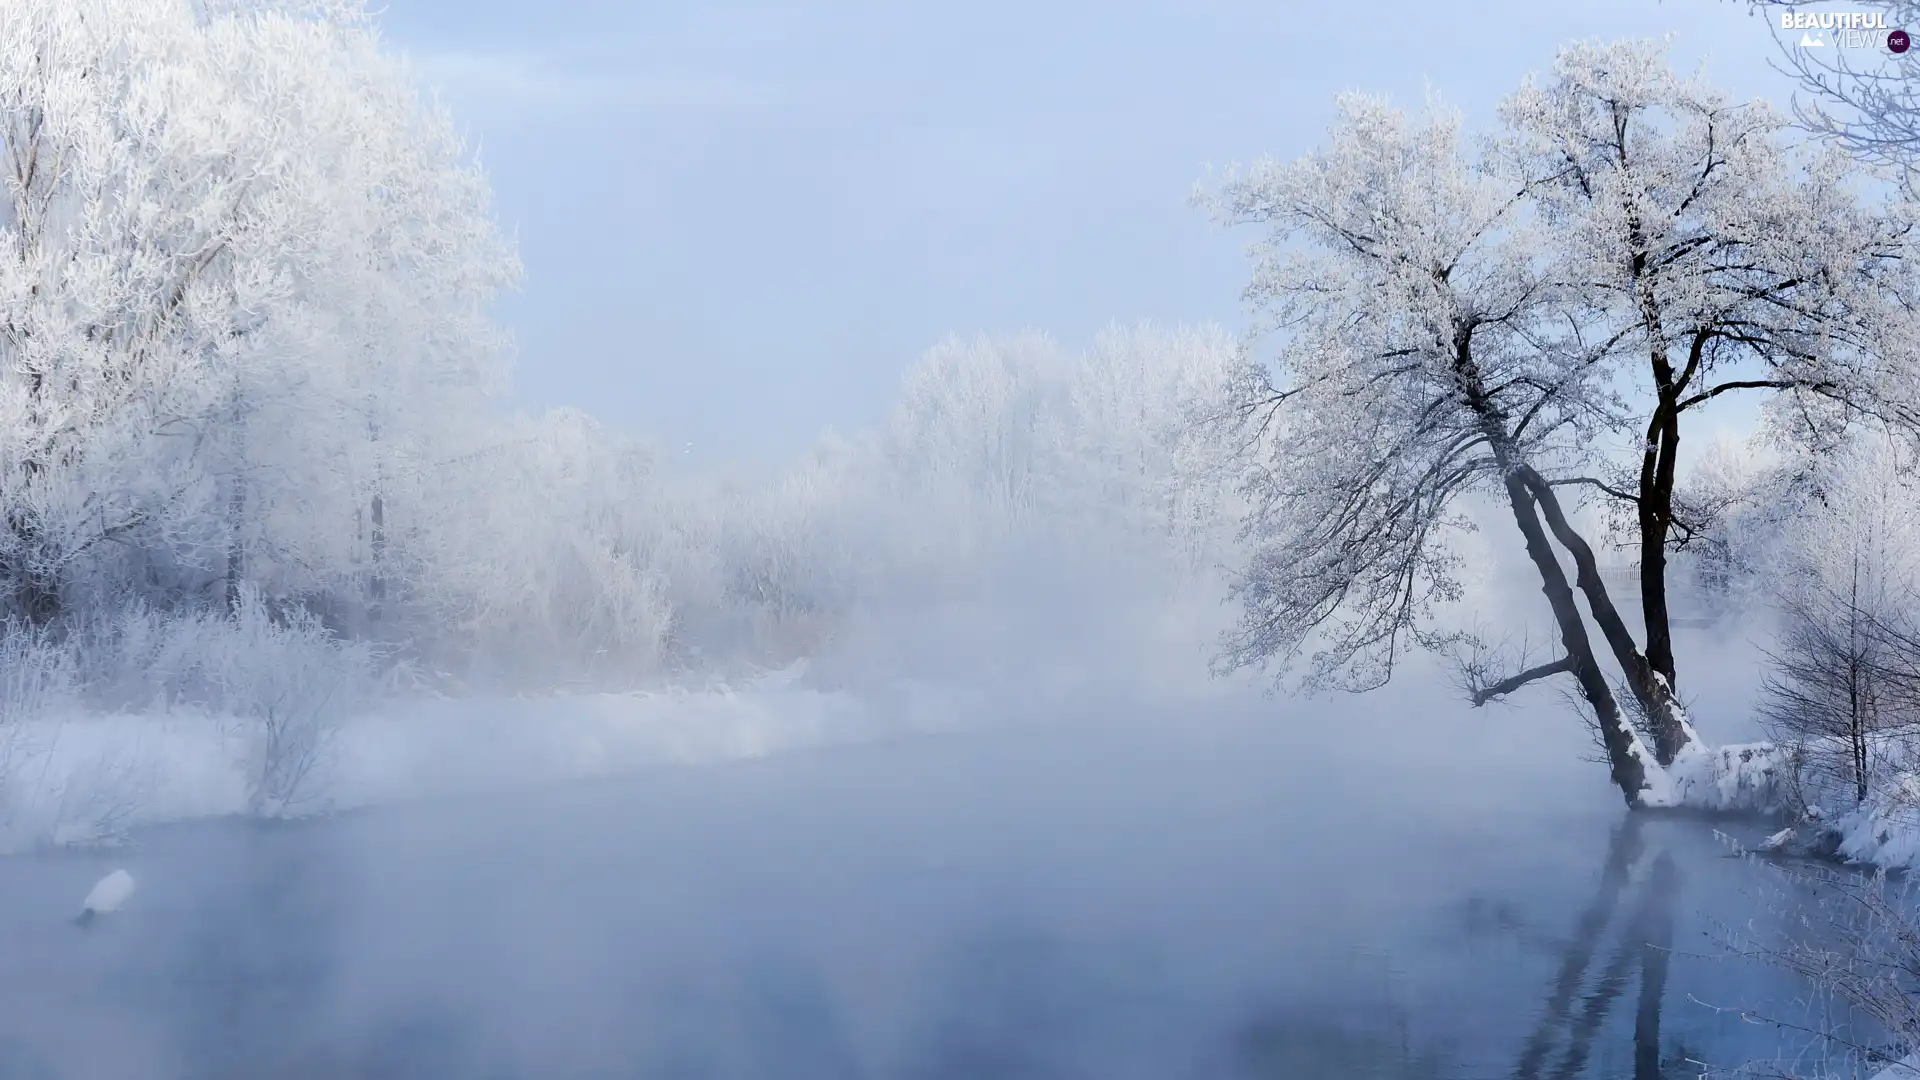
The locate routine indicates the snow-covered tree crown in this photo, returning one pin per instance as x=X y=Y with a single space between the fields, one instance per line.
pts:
x=225 y=226
x=1425 y=349
x=1719 y=247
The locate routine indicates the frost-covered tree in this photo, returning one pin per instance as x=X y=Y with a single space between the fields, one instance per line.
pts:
x=1822 y=695
x=1455 y=320
x=1426 y=354
x=1000 y=441
x=534 y=555
x=236 y=241
x=970 y=424
x=1841 y=689
x=1722 y=260
x=1843 y=577
x=1143 y=447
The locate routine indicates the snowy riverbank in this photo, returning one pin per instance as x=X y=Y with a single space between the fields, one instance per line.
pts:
x=1883 y=830
x=90 y=779
x=76 y=778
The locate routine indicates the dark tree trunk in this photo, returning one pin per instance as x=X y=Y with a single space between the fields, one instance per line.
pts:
x=1655 y=510
x=1650 y=688
x=1659 y=465
x=1627 y=770
x=1527 y=495
x=377 y=582
x=1657 y=461
x=1657 y=470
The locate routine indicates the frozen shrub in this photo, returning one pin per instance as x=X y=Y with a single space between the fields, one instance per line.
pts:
x=289 y=683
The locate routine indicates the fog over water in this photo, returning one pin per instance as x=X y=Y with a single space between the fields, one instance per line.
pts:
x=1246 y=888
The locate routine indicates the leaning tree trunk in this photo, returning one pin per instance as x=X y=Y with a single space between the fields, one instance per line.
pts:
x=1623 y=755
x=1628 y=771
x=1651 y=690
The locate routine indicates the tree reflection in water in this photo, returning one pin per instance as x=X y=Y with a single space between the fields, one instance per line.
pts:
x=1621 y=942
x=1572 y=1019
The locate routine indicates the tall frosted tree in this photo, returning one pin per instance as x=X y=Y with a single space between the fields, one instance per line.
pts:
x=1423 y=358
x=1721 y=260
x=1457 y=319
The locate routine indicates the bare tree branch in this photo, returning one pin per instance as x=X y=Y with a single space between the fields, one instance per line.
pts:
x=1511 y=683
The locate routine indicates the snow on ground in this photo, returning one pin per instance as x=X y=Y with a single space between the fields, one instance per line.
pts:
x=1881 y=831
x=89 y=779
x=1732 y=778
x=1885 y=829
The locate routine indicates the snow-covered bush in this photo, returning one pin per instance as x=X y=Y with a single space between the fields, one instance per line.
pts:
x=288 y=683
x=278 y=680
x=1827 y=548
x=275 y=675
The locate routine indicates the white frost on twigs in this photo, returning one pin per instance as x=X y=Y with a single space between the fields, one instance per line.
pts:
x=1907 y=1068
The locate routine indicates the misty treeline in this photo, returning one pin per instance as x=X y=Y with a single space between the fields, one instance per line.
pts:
x=253 y=454
x=253 y=457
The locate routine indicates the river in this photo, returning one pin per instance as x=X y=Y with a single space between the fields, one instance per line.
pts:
x=1106 y=902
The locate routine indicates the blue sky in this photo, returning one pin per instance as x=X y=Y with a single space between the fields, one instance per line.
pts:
x=741 y=222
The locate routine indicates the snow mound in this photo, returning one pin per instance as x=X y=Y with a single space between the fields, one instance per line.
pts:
x=1884 y=830
x=108 y=894
x=1738 y=777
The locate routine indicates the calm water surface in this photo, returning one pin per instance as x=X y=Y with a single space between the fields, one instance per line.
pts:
x=1075 y=903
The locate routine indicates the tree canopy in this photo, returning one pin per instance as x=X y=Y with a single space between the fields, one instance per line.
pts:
x=1494 y=317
